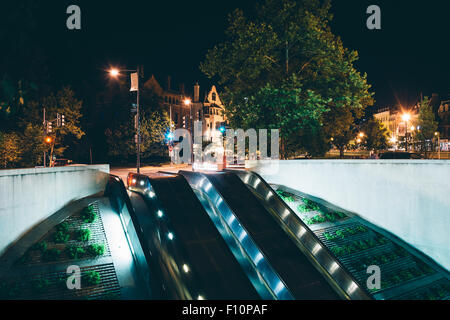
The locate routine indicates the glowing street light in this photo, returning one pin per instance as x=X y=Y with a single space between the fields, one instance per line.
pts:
x=188 y=102
x=114 y=72
x=361 y=134
x=406 y=117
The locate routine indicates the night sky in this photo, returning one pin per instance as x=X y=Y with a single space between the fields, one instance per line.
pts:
x=408 y=56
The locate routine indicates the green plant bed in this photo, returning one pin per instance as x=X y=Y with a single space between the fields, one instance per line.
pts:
x=344 y=233
x=356 y=246
x=95 y=250
x=25 y=258
x=302 y=208
x=75 y=252
x=63 y=227
x=91 y=278
x=9 y=290
x=83 y=235
x=40 y=246
x=39 y=285
x=313 y=206
x=111 y=296
x=88 y=214
x=61 y=237
x=286 y=196
x=51 y=255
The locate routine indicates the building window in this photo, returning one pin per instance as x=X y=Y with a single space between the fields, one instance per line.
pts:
x=214 y=96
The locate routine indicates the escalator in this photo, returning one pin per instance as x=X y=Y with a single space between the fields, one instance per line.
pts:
x=298 y=275
x=192 y=252
x=354 y=245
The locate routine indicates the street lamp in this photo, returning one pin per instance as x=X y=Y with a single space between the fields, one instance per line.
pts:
x=114 y=72
x=406 y=117
x=188 y=102
x=439 y=144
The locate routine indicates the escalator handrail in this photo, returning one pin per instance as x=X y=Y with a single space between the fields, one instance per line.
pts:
x=342 y=280
x=123 y=193
x=212 y=193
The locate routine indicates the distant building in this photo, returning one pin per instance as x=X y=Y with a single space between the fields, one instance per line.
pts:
x=210 y=111
x=392 y=119
x=444 y=119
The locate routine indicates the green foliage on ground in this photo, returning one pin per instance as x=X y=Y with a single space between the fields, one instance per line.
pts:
x=51 y=255
x=25 y=258
x=39 y=285
x=61 y=237
x=345 y=232
x=91 y=278
x=63 y=227
x=40 y=246
x=95 y=249
x=75 y=252
x=88 y=214
x=9 y=290
x=358 y=245
x=83 y=235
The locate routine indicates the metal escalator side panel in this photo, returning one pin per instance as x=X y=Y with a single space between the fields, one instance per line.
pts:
x=293 y=266
x=219 y=275
x=260 y=263
x=149 y=272
x=236 y=248
x=319 y=254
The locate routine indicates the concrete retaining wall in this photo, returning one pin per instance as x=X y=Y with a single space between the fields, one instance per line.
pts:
x=410 y=198
x=28 y=196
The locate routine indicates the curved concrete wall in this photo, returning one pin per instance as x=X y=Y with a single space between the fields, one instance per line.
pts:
x=410 y=198
x=28 y=196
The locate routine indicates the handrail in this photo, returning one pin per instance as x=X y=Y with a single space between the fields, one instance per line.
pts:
x=116 y=189
x=343 y=282
x=274 y=282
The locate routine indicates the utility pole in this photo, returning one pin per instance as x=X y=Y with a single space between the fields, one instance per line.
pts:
x=138 y=146
x=45 y=126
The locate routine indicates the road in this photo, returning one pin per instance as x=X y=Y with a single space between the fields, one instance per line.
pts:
x=150 y=171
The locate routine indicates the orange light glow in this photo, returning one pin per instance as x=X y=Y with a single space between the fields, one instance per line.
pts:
x=114 y=72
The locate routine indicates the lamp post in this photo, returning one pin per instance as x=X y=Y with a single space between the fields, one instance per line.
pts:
x=188 y=102
x=406 y=117
x=439 y=144
x=115 y=73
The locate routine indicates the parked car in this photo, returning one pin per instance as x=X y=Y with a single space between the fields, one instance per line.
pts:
x=400 y=155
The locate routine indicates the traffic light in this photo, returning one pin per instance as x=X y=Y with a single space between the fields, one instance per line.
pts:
x=58 y=120
x=63 y=123
x=184 y=122
x=223 y=127
x=49 y=127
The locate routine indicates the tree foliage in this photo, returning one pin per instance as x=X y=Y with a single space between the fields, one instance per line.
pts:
x=10 y=152
x=375 y=135
x=154 y=122
x=427 y=123
x=285 y=64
